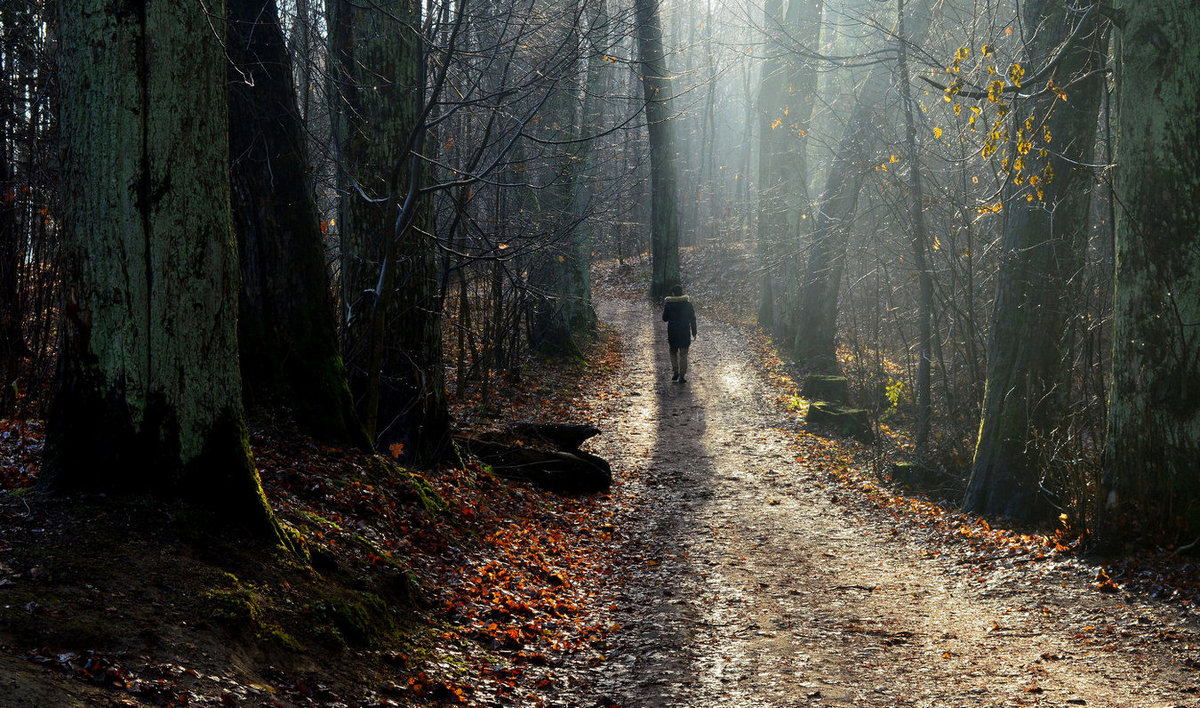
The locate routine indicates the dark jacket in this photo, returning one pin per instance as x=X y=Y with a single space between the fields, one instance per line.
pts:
x=680 y=317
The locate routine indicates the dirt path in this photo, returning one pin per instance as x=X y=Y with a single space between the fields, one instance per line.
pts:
x=751 y=581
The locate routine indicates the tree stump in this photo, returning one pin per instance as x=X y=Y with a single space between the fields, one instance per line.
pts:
x=820 y=387
x=854 y=422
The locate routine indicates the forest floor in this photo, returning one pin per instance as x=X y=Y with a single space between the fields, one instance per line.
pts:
x=741 y=558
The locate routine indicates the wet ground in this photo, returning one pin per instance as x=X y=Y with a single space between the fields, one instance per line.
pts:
x=747 y=579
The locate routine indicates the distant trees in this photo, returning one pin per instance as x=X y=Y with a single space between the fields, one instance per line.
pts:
x=29 y=280
x=149 y=394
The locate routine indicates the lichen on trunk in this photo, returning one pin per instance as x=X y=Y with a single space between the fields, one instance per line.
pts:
x=1154 y=409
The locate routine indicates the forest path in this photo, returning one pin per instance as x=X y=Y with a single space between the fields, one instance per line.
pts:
x=744 y=581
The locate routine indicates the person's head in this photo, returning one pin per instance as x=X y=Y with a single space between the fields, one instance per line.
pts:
x=677 y=290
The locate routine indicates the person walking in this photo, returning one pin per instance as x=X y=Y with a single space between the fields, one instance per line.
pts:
x=680 y=317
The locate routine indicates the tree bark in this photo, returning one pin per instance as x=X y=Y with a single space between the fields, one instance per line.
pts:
x=1026 y=397
x=393 y=346
x=286 y=331
x=664 y=207
x=1154 y=406
x=149 y=395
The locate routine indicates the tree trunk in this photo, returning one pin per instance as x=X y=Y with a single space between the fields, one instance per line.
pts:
x=12 y=341
x=771 y=217
x=816 y=321
x=389 y=270
x=1154 y=405
x=664 y=207
x=785 y=106
x=1026 y=396
x=286 y=331
x=148 y=395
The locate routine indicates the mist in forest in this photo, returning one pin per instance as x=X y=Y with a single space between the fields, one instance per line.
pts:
x=928 y=194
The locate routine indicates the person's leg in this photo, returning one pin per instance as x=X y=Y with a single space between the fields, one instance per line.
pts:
x=674 y=364
x=683 y=363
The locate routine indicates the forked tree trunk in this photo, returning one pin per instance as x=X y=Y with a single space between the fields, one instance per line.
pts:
x=1154 y=408
x=148 y=395
x=286 y=331
x=785 y=106
x=816 y=320
x=1026 y=397
x=389 y=269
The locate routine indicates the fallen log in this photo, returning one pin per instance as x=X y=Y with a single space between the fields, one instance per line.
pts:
x=559 y=436
x=546 y=454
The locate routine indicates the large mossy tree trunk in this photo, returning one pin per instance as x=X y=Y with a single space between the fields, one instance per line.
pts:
x=393 y=345
x=287 y=334
x=1026 y=397
x=1154 y=406
x=820 y=288
x=664 y=207
x=149 y=396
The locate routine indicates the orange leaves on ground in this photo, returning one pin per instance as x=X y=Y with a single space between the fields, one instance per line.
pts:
x=1104 y=583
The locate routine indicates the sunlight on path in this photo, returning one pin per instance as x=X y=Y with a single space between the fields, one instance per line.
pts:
x=746 y=583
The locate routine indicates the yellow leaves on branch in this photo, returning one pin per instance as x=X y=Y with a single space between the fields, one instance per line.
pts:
x=1058 y=90
x=1016 y=72
x=995 y=90
x=892 y=159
